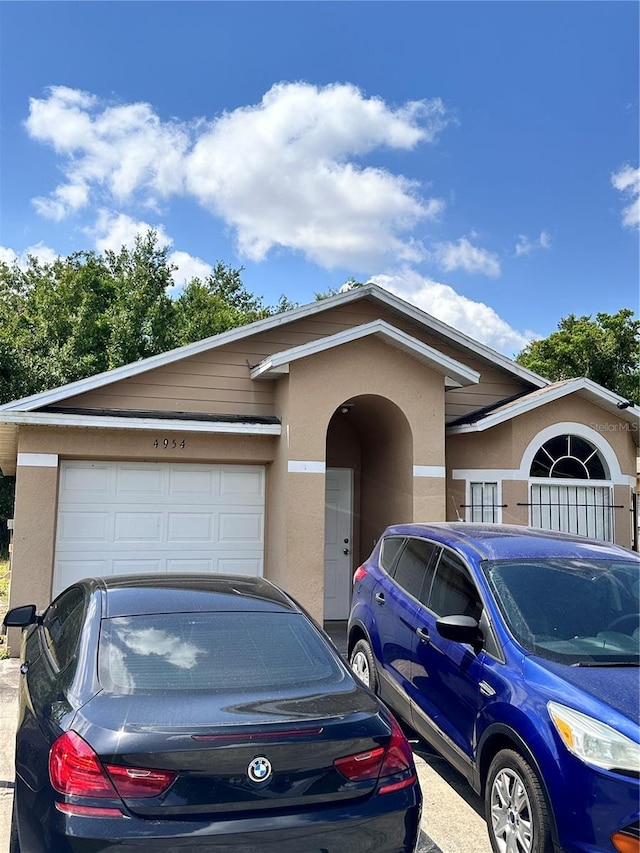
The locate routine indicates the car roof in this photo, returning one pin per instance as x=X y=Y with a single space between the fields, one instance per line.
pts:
x=129 y=595
x=511 y=541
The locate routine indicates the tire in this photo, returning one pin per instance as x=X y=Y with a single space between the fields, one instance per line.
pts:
x=516 y=809
x=14 y=839
x=363 y=664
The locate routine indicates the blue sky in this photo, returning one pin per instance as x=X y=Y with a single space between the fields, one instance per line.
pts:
x=479 y=159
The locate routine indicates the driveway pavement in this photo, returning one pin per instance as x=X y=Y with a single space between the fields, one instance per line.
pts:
x=451 y=823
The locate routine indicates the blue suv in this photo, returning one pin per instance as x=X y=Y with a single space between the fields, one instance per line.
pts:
x=515 y=653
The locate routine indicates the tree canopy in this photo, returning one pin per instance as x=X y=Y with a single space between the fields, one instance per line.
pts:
x=91 y=312
x=605 y=349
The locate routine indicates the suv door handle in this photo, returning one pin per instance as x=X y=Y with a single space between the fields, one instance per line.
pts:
x=379 y=597
x=423 y=633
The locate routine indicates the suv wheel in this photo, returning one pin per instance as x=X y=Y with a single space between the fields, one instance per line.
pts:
x=515 y=807
x=363 y=664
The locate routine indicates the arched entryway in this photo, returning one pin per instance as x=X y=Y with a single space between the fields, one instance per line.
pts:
x=369 y=485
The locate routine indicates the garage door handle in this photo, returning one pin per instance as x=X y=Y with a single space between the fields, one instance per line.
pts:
x=423 y=633
x=379 y=597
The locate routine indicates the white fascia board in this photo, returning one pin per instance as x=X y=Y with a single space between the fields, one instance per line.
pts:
x=81 y=386
x=451 y=368
x=599 y=395
x=113 y=422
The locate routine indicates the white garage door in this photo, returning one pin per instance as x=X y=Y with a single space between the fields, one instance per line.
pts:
x=118 y=518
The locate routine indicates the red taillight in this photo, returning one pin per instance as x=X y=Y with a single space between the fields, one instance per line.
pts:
x=362 y=766
x=75 y=769
x=359 y=573
x=394 y=760
x=140 y=782
x=398 y=762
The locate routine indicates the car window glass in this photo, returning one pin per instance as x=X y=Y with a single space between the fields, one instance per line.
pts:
x=214 y=651
x=390 y=547
x=414 y=569
x=453 y=592
x=61 y=625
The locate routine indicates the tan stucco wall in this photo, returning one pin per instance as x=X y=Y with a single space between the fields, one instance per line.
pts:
x=503 y=446
x=305 y=400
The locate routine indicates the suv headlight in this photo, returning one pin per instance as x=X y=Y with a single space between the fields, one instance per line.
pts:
x=594 y=742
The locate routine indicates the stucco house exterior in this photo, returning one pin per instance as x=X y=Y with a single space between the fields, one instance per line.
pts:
x=286 y=446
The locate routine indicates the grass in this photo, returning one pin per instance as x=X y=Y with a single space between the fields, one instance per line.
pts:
x=5 y=577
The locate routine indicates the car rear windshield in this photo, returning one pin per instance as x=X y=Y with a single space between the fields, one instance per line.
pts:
x=573 y=611
x=213 y=651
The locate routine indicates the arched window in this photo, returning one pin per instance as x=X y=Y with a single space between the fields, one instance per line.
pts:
x=575 y=507
x=568 y=457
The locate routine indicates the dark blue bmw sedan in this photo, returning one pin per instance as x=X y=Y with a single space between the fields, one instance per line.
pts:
x=200 y=714
x=515 y=653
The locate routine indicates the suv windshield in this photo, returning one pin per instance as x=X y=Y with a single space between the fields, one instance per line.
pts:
x=583 y=612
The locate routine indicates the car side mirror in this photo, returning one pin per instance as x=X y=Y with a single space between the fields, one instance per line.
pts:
x=21 y=617
x=460 y=629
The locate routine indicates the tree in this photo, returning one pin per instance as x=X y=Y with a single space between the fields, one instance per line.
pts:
x=606 y=350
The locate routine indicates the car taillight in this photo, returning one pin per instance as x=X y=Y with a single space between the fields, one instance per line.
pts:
x=391 y=765
x=359 y=573
x=75 y=769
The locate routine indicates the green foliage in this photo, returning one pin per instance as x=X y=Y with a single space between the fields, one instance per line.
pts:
x=350 y=284
x=606 y=350
x=89 y=312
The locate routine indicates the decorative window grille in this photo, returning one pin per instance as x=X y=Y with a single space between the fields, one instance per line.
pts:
x=574 y=507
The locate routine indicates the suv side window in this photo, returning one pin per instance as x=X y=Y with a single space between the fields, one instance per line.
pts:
x=414 y=569
x=453 y=592
x=62 y=624
x=391 y=546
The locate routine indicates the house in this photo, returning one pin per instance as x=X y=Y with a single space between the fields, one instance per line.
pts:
x=285 y=447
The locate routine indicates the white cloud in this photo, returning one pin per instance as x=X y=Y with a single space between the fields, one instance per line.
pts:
x=463 y=255
x=627 y=181
x=524 y=246
x=113 y=231
x=42 y=253
x=189 y=267
x=474 y=319
x=121 y=150
x=281 y=173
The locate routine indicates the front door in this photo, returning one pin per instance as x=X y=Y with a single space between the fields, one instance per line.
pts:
x=338 y=566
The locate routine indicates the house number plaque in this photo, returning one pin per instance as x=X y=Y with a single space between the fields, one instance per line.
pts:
x=169 y=443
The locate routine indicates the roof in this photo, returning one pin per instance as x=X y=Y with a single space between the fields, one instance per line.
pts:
x=368 y=291
x=511 y=541
x=586 y=388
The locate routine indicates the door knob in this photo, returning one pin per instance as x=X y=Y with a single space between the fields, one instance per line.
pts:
x=345 y=551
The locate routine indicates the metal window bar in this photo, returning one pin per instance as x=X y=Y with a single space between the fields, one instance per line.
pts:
x=484 y=506
x=583 y=510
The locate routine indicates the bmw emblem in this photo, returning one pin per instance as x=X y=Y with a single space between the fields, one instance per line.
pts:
x=260 y=769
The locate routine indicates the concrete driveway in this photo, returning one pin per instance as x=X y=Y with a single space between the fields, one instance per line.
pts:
x=451 y=823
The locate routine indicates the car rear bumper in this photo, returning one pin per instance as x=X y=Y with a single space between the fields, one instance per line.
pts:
x=382 y=824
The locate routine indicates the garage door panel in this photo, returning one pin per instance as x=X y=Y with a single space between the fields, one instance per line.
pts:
x=136 y=565
x=243 y=481
x=75 y=570
x=118 y=518
x=202 y=482
x=139 y=481
x=190 y=527
x=95 y=479
x=138 y=527
x=231 y=566
x=83 y=527
x=240 y=528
